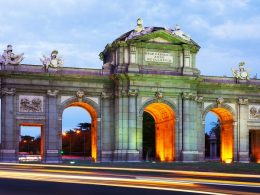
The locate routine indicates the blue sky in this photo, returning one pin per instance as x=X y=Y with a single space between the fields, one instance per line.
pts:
x=227 y=31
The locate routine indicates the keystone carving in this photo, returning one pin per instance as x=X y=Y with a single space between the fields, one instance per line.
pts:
x=8 y=91
x=52 y=93
x=243 y=101
x=220 y=100
x=159 y=94
x=80 y=94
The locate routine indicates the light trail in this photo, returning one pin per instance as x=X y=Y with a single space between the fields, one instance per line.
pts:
x=215 y=174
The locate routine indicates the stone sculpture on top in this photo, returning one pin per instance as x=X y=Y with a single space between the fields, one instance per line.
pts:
x=53 y=62
x=8 y=57
x=242 y=73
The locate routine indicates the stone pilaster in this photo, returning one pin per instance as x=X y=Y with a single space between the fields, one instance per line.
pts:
x=107 y=126
x=9 y=149
x=51 y=131
x=243 y=153
x=121 y=125
x=189 y=150
x=133 y=154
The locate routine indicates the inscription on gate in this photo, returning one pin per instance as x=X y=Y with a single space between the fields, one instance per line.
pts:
x=162 y=57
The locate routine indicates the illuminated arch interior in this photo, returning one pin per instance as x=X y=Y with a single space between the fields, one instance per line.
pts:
x=93 y=115
x=226 y=134
x=164 y=130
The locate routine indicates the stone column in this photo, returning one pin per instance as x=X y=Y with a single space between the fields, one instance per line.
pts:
x=107 y=127
x=243 y=130
x=133 y=154
x=9 y=136
x=189 y=148
x=51 y=135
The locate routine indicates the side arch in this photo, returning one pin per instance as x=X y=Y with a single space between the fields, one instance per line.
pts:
x=227 y=117
x=92 y=108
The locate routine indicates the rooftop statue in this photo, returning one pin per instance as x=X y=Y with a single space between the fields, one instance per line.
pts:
x=139 y=27
x=177 y=31
x=242 y=73
x=8 y=57
x=53 y=62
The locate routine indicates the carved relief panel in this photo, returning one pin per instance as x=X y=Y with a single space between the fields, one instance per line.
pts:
x=29 y=103
x=254 y=111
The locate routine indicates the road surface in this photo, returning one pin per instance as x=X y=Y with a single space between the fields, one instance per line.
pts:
x=61 y=179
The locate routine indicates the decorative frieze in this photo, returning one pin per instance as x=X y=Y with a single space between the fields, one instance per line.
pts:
x=52 y=93
x=254 y=111
x=242 y=101
x=8 y=91
x=29 y=103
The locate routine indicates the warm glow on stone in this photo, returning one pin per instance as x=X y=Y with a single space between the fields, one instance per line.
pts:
x=93 y=115
x=164 y=130
x=227 y=135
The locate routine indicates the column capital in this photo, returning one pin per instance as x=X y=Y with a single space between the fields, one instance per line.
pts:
x=133 y=92
x=243 y=101
x=105 y=95
x=189 y=96
x=8 y=91
x=52 y=93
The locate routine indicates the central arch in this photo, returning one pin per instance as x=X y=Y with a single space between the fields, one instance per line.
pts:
x=226 y=119
x=91 y=110
x=164 y=118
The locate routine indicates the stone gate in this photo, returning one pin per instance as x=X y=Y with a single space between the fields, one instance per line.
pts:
x=148 y=69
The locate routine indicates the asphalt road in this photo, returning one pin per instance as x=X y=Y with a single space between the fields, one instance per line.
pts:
x=28 y=187
x=58 y=179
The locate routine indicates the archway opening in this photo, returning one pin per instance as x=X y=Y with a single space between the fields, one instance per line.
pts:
x=164 y=134
x=212 y=137
x=254 y=145
x=31 y=142
x=225 y=119
x=79 y=122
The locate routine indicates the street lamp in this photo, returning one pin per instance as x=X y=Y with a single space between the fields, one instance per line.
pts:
x=65 y=135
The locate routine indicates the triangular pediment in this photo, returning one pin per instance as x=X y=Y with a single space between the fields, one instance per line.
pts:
x=162 y=36
x=159 y=40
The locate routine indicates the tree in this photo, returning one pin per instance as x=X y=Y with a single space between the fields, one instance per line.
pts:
x=217 y=130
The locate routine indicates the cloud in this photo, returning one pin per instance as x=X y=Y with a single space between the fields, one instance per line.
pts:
x=238 y=29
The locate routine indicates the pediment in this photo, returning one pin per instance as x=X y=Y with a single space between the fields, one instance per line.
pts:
x=159 y=40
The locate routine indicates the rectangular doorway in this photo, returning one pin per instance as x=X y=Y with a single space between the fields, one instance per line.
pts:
x=30 y=143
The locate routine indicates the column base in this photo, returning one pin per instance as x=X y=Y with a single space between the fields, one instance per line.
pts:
x=190 y=156
x=126 y=155
x=244 y=157
x=106 y=156
x=9 y=156
x=52 y=156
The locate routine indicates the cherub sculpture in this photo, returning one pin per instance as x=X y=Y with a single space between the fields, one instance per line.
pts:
x=242 y=73
x=53 y=62
x=8 y=57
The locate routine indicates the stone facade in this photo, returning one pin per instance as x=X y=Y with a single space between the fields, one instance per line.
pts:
x=155 y=68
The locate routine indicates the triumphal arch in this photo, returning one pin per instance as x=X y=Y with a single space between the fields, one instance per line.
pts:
x=148 y=70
